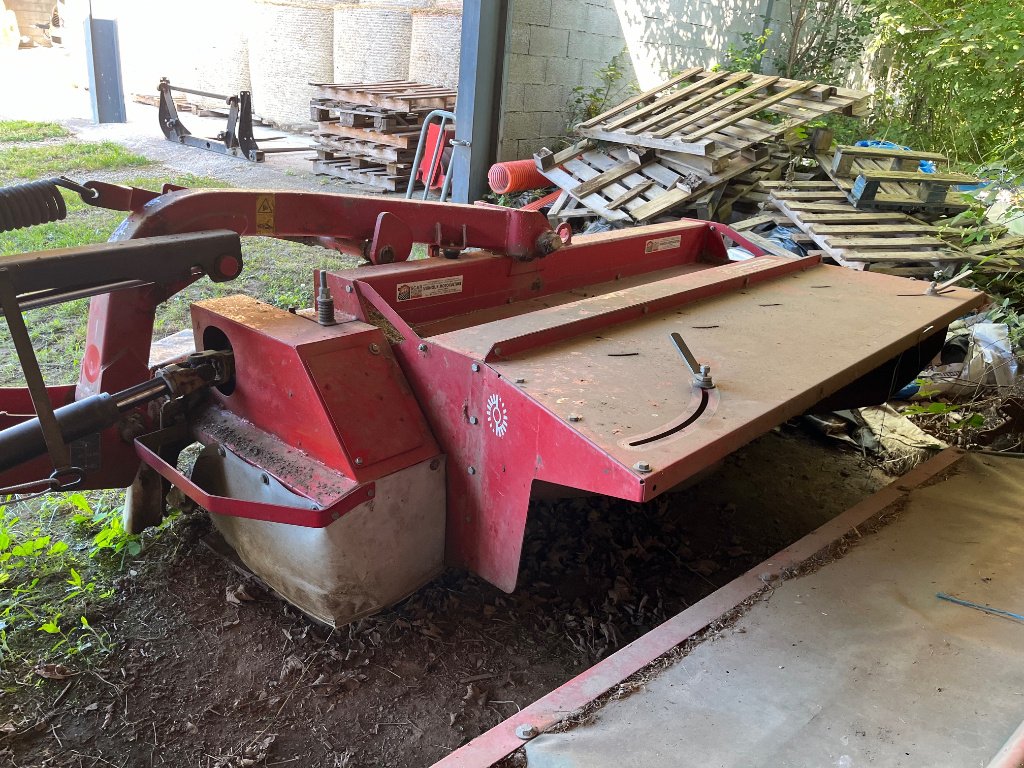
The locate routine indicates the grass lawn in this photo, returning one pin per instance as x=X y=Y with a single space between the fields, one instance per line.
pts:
x=24 y=130
x=29 y=162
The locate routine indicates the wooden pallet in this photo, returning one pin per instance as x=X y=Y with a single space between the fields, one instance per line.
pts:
x=401 y=95
x=862 y=239
x=407 y=140
x=715 y=115
x=889 y=180
x=334 y=147
x=372 y=118
x=387 y=178
x=618 y=184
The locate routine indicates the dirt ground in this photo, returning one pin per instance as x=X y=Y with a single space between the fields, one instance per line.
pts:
x=204 y=680
x=211 y=670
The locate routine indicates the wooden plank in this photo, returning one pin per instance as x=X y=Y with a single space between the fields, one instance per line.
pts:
x=947 y=179
x=759 y=85
x=894 y=228
x=904 y=256
x=753 y=109
x=704 y=90
x=630 y=194
x=546 y=159
x=606 y=179
x=853 y=215
x=641 y=98
x=888 y=243
x=400 y=140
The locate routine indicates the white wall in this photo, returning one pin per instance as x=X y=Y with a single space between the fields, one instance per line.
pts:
x=554 y=45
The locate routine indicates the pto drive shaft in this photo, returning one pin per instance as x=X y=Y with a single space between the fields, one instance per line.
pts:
x=90 y=415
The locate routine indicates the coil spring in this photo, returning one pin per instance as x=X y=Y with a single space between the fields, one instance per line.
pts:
x=35 y=202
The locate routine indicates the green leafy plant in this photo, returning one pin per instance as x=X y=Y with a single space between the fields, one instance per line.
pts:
x=748 y=56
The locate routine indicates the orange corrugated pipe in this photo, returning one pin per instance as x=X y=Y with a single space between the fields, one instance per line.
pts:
x=515 y=176
x=536 y=205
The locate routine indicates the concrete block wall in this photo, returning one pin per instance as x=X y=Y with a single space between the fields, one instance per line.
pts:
x=553 y=46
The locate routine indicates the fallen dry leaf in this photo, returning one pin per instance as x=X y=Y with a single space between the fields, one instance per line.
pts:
x=236 y=595
x=53 y=671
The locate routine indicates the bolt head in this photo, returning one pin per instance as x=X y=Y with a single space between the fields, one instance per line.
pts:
x=348 y=289
x=370 y=493
x=359 y=461
x=642 y=466
x=422 y=347
x=474 y=420
x=375 y=349
x=471 y=470
x=527 y=731
x=475 y=367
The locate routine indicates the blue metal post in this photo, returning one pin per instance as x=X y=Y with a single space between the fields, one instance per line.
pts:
x=477 y=111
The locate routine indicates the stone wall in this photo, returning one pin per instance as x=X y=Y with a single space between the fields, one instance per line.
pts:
x=553 y=46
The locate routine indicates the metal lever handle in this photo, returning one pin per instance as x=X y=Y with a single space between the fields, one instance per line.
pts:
x=701 y=372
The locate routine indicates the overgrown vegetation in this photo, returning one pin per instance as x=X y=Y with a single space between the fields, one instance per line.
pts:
x=609 y=87
x=955 y=72
x=26 y=130
x=819 y=40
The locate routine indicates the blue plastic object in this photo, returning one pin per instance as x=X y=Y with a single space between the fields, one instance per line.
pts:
x=926 y=166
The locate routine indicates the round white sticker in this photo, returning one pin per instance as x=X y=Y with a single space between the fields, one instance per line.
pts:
x=497 y=416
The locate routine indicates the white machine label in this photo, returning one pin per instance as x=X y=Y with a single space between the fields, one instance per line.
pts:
x=497 y=415
x=663 y=244
x=427 y=288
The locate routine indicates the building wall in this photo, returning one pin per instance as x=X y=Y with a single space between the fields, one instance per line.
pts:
x=555 y=45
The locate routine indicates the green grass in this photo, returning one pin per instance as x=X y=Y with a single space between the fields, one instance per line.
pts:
x=74 y=157
x=26 y=130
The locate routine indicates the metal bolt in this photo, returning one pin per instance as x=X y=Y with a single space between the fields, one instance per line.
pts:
x=265 y=478
x=348 y=289
x=497 y=350
x=475 y=367
x=575 y=417
x=422 y=347
x=335 y=515
x=472 y=470
x=527 y=731
x=642 y=466
x=359 y=461
x=474 y=420
x=370 y=493
x=520 y=380
x=435 y=464
x=375 y=349
x=703 y=379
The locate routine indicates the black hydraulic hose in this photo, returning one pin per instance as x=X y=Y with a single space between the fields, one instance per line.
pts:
x=88 y=416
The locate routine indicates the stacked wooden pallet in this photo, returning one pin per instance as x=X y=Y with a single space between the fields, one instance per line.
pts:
x=688 y=138
x=891 y=179
x=368 y=132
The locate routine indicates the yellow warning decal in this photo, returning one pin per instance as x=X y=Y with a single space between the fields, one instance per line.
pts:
x=265 y=214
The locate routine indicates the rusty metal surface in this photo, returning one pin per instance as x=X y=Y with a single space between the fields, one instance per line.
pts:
x=774 y=350
x=497 y=743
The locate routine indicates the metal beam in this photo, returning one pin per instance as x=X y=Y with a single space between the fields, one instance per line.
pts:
x=480 y=76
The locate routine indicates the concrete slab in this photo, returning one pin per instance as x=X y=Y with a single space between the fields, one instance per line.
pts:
x=856 y=664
